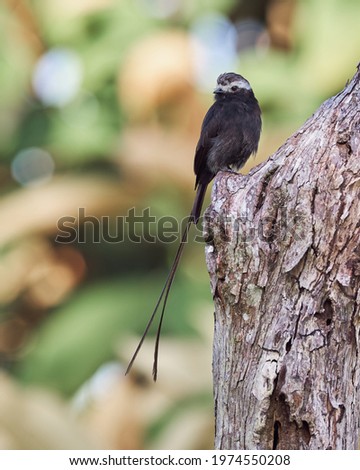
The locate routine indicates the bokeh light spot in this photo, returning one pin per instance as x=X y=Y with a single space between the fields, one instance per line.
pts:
x=32 y=166
x=57 y=77
x=213 y=48
x=251 y=34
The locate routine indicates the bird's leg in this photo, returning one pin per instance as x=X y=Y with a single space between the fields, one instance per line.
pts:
x=228 y=169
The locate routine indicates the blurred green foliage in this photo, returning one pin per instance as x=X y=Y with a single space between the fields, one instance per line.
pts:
x=81 y=336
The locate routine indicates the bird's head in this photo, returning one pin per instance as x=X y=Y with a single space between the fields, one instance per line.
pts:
x=231 y=83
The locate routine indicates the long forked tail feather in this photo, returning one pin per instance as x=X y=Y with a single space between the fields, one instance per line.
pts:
x=163 y=296
x=198 y=202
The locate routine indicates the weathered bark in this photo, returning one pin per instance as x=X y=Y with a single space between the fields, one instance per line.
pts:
x=284 y=260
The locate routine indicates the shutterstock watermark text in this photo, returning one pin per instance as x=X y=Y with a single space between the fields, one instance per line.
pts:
x=139 y=226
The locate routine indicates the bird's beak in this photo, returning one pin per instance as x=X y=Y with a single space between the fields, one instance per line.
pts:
x=218 y=90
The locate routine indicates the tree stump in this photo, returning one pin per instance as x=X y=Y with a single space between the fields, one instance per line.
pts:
x=283 y=253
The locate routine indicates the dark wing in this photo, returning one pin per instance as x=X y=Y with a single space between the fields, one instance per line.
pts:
x=209 y=131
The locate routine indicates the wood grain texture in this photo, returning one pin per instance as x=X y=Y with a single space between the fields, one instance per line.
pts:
x=283 y=255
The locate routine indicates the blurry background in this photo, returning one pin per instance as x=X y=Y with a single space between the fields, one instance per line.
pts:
x=101 y=103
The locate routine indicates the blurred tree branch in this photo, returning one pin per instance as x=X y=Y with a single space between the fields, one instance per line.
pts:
x=284 y=261
x=26 y=18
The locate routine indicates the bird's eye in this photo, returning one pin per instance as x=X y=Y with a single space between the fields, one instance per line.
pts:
x=234 y=88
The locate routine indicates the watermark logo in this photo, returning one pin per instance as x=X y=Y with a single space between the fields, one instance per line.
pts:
x=142 y=226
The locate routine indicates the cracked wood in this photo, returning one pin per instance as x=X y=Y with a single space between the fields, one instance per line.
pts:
x=283 y=255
